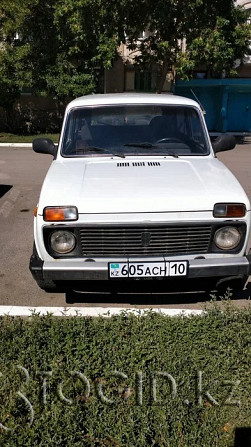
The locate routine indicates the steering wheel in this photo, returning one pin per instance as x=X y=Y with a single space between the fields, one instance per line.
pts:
x=168 y=139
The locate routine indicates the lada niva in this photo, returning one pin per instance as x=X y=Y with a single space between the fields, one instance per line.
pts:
x=135 y=192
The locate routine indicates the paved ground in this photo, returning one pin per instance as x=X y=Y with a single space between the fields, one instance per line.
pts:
x=24 y=171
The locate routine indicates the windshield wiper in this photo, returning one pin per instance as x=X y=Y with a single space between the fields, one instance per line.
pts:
x=150 y=146
x=103 y=149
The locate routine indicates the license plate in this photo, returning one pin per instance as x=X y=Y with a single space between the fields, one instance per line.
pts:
x=147 y=269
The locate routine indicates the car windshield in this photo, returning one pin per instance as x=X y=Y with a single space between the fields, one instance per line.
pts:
x=123 y=130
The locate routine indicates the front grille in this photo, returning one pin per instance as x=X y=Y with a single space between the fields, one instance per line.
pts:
x=143 y=240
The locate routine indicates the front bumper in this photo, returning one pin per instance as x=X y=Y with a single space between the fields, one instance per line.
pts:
x=80 y=270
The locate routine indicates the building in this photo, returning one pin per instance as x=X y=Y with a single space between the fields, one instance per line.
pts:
x=125 y=77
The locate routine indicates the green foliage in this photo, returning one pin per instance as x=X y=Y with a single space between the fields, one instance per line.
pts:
x=63 y=83
x=218 y=46
x=203 y=354
x=61 y=47
x=13 y=73
x=164 y=21
x=87 y=42
x=12 y=138
x=26 y=47
x=213 y=35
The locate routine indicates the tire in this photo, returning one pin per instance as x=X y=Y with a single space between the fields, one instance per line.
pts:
x=47 y=286
x=235 y=284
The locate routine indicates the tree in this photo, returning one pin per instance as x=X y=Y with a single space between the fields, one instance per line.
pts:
x=13 y=69
x=57 y=46
x=11 y=16
x=214 y=34
x=218 y=44
x=61 y=47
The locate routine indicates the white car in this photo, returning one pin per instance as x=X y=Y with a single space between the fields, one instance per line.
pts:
x=135 y=192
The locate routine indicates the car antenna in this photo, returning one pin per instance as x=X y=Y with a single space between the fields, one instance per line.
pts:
x=197 y=99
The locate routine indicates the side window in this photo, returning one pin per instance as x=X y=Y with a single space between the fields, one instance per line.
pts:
x=76 y=130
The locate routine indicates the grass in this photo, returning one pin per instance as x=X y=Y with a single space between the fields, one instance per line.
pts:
x=12 y=138
x=128 y=380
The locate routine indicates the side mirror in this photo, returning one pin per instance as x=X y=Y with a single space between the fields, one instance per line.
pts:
x=224 y=142
x=44 y=146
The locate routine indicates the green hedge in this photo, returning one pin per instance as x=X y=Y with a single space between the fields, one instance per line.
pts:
x=128 y=380
x=14 y=138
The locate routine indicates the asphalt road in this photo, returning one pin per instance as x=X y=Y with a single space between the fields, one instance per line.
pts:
x=23 y=171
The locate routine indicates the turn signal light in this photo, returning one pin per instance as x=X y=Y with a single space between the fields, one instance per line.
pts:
x=229 y=210
x=60 y=213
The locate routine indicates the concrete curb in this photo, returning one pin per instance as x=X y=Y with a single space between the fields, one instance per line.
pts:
x=15 y=144
x=25 y=311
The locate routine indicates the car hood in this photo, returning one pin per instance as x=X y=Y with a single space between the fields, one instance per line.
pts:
x=139 y=185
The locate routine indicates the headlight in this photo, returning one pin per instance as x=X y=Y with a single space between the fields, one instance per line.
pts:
x=227 y=238
x=62 y=241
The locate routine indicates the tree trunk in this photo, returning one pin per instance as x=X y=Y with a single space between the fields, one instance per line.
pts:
x=161 y=82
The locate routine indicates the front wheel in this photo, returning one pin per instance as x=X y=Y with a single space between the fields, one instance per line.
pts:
x=235 y=285
x=35 y=268
x=48 y=286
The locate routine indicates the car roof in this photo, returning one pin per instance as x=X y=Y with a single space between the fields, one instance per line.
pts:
x=131 y=98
